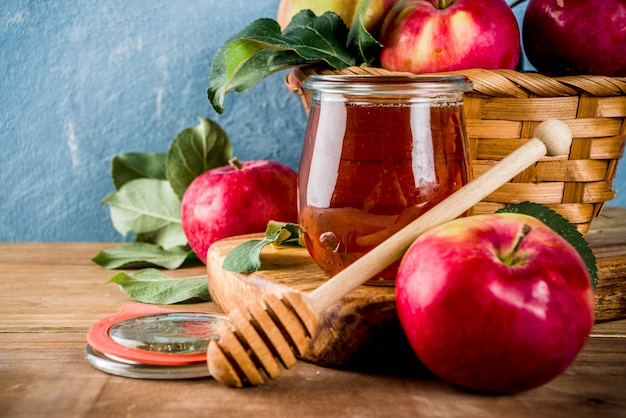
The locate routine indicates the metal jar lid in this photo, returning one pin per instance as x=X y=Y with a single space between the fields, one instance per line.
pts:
x=143 y=341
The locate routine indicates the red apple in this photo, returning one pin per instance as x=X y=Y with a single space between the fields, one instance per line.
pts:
x=576 y=37
x=425 y=36
x=347 y=9
x=496 y=303
x=237 y=199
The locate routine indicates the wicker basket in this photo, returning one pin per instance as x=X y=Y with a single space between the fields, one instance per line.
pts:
x=502 y=111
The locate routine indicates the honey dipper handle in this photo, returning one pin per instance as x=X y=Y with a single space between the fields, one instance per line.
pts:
x=554 y=138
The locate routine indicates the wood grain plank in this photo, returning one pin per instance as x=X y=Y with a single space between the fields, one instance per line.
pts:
x=55 y=286
x=50 y=378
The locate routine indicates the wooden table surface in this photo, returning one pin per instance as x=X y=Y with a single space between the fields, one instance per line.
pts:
x=52 y=293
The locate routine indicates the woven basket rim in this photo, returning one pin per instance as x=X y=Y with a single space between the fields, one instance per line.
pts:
x=497 y=83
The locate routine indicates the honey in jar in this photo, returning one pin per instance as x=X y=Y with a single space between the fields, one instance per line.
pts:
x=378 y=152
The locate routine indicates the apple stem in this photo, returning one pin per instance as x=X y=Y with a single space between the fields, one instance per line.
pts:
x=235 y=163
x=522 y=236
x=512 y=259
x=443 y=4
x=516 y=3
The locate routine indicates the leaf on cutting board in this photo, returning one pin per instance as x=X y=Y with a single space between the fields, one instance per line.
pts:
x=136 y=165
x=139 y=253
x=563 y=227
x=261 y=49
x=246 y=257
x=152 y=286
x=145 y=205
x=194 y=151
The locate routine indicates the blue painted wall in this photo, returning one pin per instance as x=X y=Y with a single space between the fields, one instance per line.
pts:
x=84 y=80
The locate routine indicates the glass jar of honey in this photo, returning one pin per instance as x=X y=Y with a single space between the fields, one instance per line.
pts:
x=378 y=152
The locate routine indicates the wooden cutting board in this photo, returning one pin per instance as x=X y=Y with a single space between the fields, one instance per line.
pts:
x=363 y=325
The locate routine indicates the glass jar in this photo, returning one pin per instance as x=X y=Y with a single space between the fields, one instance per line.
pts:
x=378 y=152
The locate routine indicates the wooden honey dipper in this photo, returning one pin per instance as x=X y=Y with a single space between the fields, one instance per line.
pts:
x=279 y=327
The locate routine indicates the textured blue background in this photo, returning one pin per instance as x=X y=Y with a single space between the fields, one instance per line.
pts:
x=84 y=80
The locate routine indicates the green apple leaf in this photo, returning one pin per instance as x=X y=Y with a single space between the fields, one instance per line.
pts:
x=170 y=236
x=136 y=165
x=152 y=286
x=247 y=75
x=318 y=39
x=563 y=227
x=142 y=253
x=283 y=233
x=246 y=257
x=194 y=151
x=144 y=205
x=149 y=189
x=360 y=42
x=261 y=49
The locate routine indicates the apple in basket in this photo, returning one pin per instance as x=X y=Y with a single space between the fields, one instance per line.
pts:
x=237 y=199
x=425 y=36
x=497 y=303
x=576 y=37
x=376 y=11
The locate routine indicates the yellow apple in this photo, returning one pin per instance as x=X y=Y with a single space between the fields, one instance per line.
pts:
x=347 y=9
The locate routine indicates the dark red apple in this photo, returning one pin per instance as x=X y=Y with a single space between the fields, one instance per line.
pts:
x=425 y=36
x=237 y=199
x=565 y=37
x=496 y=303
